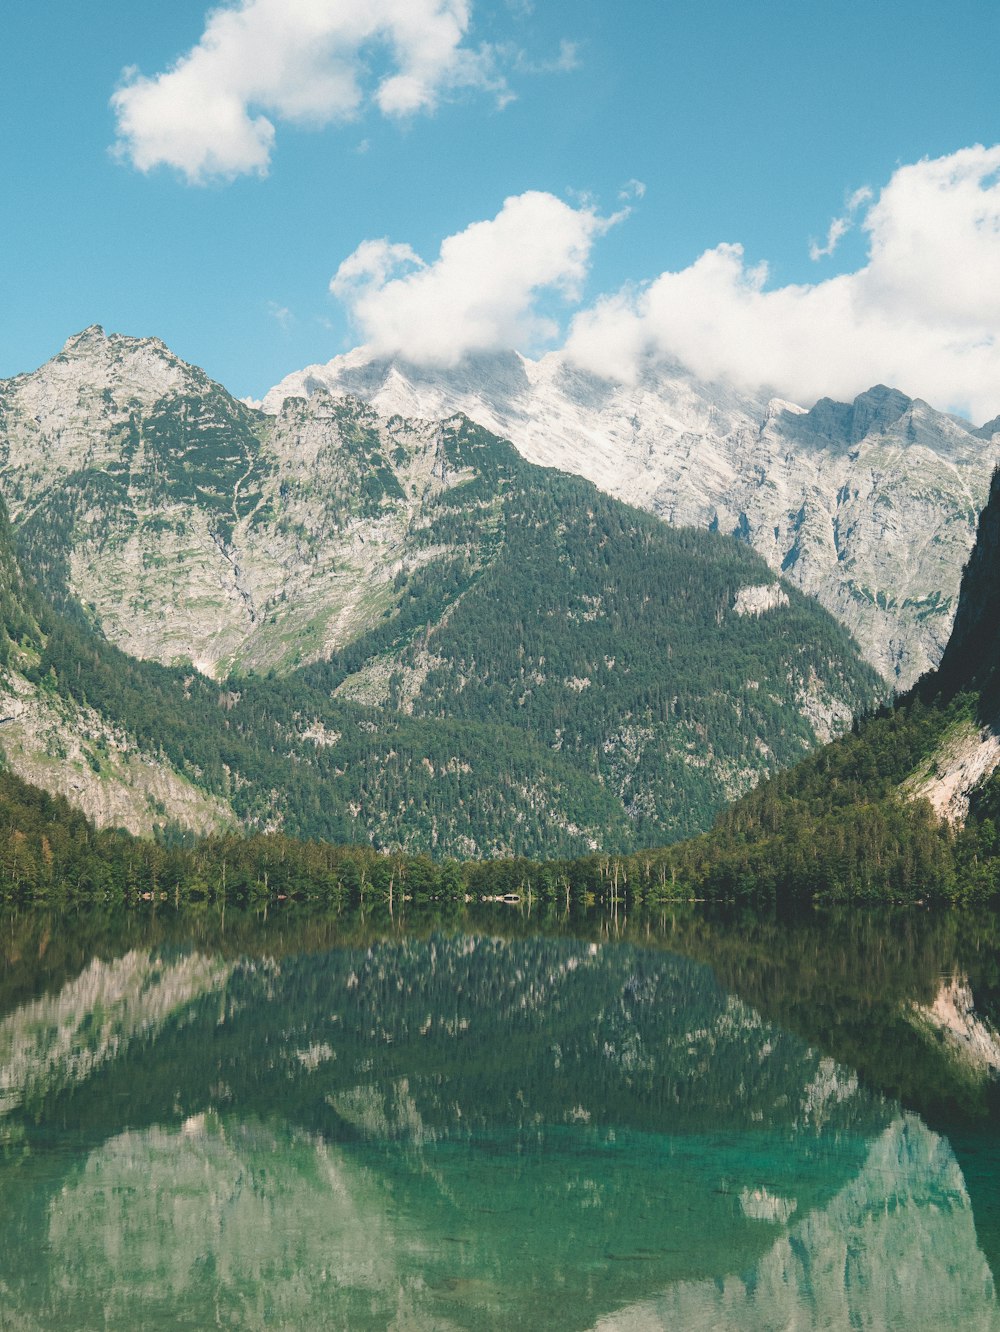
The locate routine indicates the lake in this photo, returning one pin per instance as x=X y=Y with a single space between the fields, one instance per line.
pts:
x=488 y=1120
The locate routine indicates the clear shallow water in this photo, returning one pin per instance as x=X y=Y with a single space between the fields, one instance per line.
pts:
x=306 y=1125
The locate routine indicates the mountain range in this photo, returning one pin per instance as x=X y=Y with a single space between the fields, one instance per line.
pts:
x=868 y=506
x=322 y=616
x=364 y=627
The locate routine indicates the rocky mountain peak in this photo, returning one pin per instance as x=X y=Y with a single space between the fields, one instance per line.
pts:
x=875 y=411
x=91 y=336
x=113 y=367
x=104 y=403
x=778 y=407
x=93 y=342
x=843 y=425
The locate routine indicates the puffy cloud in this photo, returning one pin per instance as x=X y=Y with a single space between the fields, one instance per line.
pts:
x=302 y=61
x=481 y=293
x=923 y=313
x=370 y=267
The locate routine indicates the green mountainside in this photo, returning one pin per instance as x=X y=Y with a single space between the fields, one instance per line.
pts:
x=906 y=807
x=466 y=655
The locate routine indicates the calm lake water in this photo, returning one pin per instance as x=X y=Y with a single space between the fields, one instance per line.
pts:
x=491 y=1121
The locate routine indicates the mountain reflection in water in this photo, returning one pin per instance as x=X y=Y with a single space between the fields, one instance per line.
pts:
x=454 y=1129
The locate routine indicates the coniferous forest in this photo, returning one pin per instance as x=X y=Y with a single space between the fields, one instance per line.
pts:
x=570 y=675
x=834 y=829
x=556 y=717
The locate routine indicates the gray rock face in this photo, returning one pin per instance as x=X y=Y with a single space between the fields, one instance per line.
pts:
x=197 y=529
x=98 y=766
x=870 y=507
x=973 y=656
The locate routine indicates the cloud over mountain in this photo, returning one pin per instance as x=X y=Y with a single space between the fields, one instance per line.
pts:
x=483 y=291
x=922 y=314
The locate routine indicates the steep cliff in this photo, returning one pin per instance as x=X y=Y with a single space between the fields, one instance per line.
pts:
x=972 y=657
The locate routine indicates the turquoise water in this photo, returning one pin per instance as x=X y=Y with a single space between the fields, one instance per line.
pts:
x=314 y=1124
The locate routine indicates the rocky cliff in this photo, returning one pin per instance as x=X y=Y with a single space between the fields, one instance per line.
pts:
x=969 y=754
x=972 y=657
x=193 y=528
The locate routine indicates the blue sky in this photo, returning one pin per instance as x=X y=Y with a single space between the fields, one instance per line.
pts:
x=749 y=124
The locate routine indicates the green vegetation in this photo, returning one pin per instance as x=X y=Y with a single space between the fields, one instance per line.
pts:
x=612 y=640
x=840 y=825
x=51 y=853
x=550 y=674
x=558 y=672
x=837 y=826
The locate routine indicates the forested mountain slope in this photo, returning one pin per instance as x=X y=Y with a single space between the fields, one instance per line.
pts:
x=869 y=506
x=57 y=739
x=503 y=659
x=907 y=806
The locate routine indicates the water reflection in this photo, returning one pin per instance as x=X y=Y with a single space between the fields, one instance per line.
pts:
x=895 y=1249
x=261 y=1224
x=63 y=1038
x=468 y=1131
x=953 y=1017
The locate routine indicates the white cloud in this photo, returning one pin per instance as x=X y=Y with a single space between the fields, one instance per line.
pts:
x=923 y=314
x=370 y=267
x=481 y=292
x=303 y=61
x=632 y=189
x=281 y=315
x=568 y=58
x=840 y=226
x=565 y=62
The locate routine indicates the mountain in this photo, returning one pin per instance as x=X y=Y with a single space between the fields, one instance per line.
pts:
x=58 y=740
x=418 y=639
x=907 y=807
x=869 y=506
x=191 y=527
